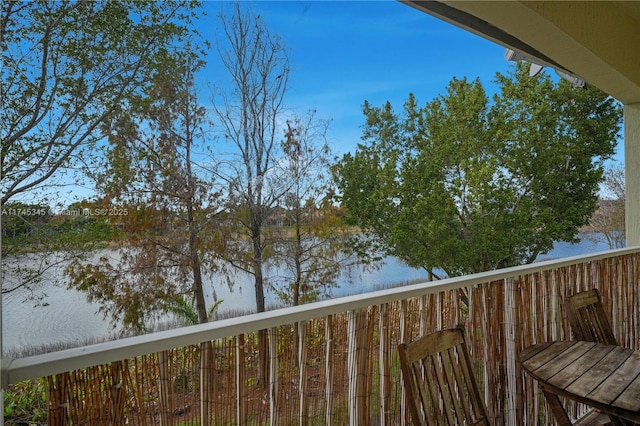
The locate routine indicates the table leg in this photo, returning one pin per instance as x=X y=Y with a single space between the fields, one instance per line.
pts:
x=556 y=407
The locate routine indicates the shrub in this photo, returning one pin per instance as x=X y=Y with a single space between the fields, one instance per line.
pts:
x=25 y=403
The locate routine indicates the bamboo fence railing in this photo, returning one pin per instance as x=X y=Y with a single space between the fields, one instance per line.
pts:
x=343 y=368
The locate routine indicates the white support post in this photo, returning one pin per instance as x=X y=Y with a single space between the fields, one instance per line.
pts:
x=632 y=173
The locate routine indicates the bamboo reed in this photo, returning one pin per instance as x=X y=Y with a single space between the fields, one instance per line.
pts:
x=343 y=368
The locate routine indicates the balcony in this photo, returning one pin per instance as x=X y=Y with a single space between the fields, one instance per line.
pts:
x=335 y=362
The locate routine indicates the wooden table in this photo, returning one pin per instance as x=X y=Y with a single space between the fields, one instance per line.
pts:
x=603 y=376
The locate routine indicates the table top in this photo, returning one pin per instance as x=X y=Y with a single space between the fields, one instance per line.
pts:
x=603 y=376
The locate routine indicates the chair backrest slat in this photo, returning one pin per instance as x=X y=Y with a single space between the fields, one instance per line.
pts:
x=440 y=385
x=436 y=415
x=454 y=377
x=588 y=319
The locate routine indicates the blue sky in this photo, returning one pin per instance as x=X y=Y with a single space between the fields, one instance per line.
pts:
x=343 y=52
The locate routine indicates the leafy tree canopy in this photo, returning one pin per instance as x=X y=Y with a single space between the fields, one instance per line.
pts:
x=66 y=67
x=465 y=184
x=157 y=164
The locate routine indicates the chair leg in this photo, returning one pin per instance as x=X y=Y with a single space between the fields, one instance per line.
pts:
x=556 y=408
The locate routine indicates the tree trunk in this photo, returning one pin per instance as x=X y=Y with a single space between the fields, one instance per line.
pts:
x=263 y=344
x=198 y=289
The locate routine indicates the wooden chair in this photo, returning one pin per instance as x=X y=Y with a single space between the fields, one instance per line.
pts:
x=589 y=322
x=588 y=319
x=439 y=382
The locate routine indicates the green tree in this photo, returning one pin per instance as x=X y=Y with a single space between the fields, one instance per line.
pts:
x=67 y=67
x=159 y=168
x=20 y=219
x=37 y=239
x=464 y=185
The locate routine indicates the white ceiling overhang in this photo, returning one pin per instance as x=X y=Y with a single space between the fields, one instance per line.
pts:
x=599 y=41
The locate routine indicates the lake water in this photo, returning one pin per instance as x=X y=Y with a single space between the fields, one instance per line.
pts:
x=66 y=317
